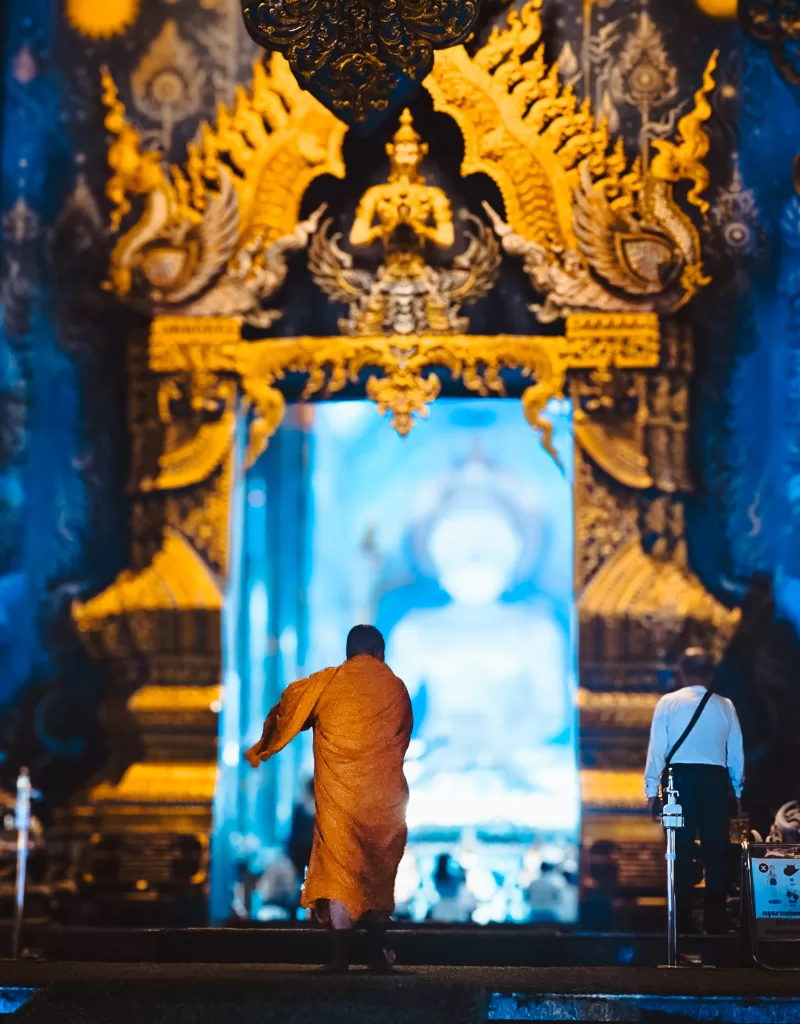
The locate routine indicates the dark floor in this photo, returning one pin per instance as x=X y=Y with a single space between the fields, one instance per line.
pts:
x=434 y=945
x=470 y=975
x=234 y=994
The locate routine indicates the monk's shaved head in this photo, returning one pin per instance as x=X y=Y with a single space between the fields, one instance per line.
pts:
x=365 y=640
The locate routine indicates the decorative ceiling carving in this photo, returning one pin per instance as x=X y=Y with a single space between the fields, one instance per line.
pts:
x=359 y=58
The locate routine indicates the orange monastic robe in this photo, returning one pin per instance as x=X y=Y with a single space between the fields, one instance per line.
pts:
x=361 y=717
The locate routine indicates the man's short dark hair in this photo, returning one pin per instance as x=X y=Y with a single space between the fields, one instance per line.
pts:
x=365 y=640
x=697 y=664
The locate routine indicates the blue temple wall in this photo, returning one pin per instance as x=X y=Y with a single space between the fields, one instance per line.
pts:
x=64 y=513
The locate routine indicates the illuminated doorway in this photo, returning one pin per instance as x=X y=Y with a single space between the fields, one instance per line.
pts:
x=457 y=542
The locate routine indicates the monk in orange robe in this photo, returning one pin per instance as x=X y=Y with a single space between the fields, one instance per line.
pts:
x=361 y=716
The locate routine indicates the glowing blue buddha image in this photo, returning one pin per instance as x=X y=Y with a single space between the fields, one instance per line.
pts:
x=488 y=672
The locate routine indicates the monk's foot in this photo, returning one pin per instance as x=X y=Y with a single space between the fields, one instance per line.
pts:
x=339 y=962
x=381 y=960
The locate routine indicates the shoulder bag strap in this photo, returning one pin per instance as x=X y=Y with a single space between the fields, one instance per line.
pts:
x=692 y=723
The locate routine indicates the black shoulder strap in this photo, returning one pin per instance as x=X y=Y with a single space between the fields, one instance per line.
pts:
x=692 y=723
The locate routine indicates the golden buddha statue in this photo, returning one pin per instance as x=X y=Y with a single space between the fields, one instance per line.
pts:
x=404 y=201
x=406 y=295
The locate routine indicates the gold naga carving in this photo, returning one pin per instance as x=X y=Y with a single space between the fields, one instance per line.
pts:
x=215 y=235
x=594 y=230
x=406 y=295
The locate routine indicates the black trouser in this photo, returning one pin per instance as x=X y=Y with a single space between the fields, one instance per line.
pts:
x=703 y=795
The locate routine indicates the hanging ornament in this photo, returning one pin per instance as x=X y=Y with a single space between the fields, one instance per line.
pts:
x=101 y=19
x=360 y=58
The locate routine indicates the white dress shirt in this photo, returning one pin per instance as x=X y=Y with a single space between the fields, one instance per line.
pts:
x=715 y=739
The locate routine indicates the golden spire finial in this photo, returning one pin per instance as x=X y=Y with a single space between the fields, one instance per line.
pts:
x=406 y=131
x=406 y=150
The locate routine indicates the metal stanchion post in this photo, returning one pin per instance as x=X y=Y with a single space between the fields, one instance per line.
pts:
x=23 y=824
x=671 y=819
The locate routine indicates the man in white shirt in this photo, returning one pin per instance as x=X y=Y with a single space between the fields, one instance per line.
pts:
x=704 y=762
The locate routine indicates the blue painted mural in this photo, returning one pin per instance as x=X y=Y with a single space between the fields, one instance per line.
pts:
x=63 y=439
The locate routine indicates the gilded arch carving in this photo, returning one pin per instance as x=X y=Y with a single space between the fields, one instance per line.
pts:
x=205 y=258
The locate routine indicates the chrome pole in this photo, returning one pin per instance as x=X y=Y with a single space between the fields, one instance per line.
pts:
x=23 y=824
x=671 y=819
x=672 y=916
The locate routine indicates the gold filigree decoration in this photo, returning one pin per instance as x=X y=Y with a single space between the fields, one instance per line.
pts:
x=406 y=295
x=407 y=384
x=215 y=235
x=203 y=517
x=353 y=55
x=595 y=232
x=609 y=412
x=102 y=20
x=605 y=520
x=683 y=161
x=194 y=460
x=667 y=432
x=634 y=425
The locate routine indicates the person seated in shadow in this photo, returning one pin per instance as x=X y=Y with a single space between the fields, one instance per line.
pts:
x=456 y=903
x=301 y=834
x=278 y=889
x=547 y=895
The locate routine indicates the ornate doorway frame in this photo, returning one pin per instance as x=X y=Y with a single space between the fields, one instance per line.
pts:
x=210 y=250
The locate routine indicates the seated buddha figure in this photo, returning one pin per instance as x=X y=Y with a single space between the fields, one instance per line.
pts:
x=494 y=670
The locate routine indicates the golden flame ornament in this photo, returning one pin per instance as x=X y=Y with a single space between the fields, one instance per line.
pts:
x=102 y=19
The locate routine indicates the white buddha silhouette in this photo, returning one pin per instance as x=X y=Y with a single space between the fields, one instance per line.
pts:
x=495 y=672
